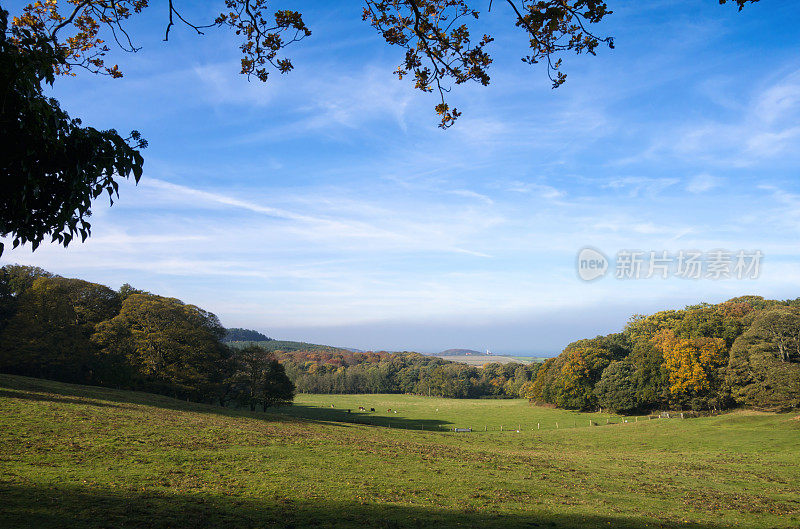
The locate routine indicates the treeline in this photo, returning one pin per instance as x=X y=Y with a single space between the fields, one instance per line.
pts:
x=743 y=352
x=76 y=331
x=236 y=334
x=381 y=372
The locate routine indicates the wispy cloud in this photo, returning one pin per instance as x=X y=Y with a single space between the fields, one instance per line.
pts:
x=702 y=183
x=329 y=197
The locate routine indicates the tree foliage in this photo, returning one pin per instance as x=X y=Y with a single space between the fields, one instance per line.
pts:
x=166 y=344
x=616 y=389
x=258 y=379
x=435 y=36
x=77 y=331
x=55 y=168
x=345 y=371
x=52 y=167
x=49 y=333
x=744 y=351
x=763 y=372
x=693 y=364
x=244 y=335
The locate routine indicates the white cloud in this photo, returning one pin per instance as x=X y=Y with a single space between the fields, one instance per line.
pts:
x=702 y=183
x=637 y=185
x=760 y=128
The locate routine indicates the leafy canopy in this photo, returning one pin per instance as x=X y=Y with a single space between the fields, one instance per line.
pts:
x=55 y=168
x=52 y=168
x=437 y=36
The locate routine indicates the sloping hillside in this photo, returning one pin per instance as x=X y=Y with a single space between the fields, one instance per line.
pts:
x=290 y=346
x=75 y=456
x=458 y=352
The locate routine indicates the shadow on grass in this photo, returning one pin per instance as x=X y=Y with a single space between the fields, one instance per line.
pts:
x=339 y=415
x=26 y=506
x=19 y=387
x=45 y=397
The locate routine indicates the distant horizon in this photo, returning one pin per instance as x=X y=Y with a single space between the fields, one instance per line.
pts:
x=559 y=327
x=593 y=329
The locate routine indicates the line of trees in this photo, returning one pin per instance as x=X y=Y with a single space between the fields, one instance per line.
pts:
x=235 y=334
x=406 y=372
x=81 y=332
x=743 y=352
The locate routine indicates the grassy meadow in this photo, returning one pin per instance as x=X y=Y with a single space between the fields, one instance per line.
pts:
x=479 y=360
x=441 y=414
x=76 y=456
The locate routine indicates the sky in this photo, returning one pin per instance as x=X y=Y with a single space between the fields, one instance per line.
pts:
x=326 y=206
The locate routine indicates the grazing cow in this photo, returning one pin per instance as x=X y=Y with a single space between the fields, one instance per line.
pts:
x=362 y=408
x=372 y=409
x=395 y=411
x=348 y=410
x=389 y=410
x=331 y=405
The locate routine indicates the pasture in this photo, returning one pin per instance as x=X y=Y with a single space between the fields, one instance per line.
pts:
x=433 y=413
x=479 y=360
x=77 y=456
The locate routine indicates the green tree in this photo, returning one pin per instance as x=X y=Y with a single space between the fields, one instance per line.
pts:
x=568 y=380
x=20 y=278
x=48 y=336
x=781 y=326
x=167 y=346
x=762 y=373
x=650 y=377
x=236 y=334
x=259 y=379
x=616 y=389
x=52 y=167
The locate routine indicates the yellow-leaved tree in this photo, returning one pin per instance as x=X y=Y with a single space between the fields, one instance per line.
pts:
x=692 y=364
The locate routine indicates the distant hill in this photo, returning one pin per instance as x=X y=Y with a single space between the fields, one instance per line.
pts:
x=288 y=346
x=458 y=352
x=244 y=335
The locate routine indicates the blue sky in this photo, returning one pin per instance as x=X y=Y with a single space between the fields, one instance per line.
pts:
x=326 y=205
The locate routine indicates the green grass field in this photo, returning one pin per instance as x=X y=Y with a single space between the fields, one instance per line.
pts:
x=431 y=413
x=75 y=456
x=479 y=360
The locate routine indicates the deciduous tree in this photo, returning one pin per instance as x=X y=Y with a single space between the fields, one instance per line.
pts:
x=168 y=346
x=692 y=364
x=52 y=167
